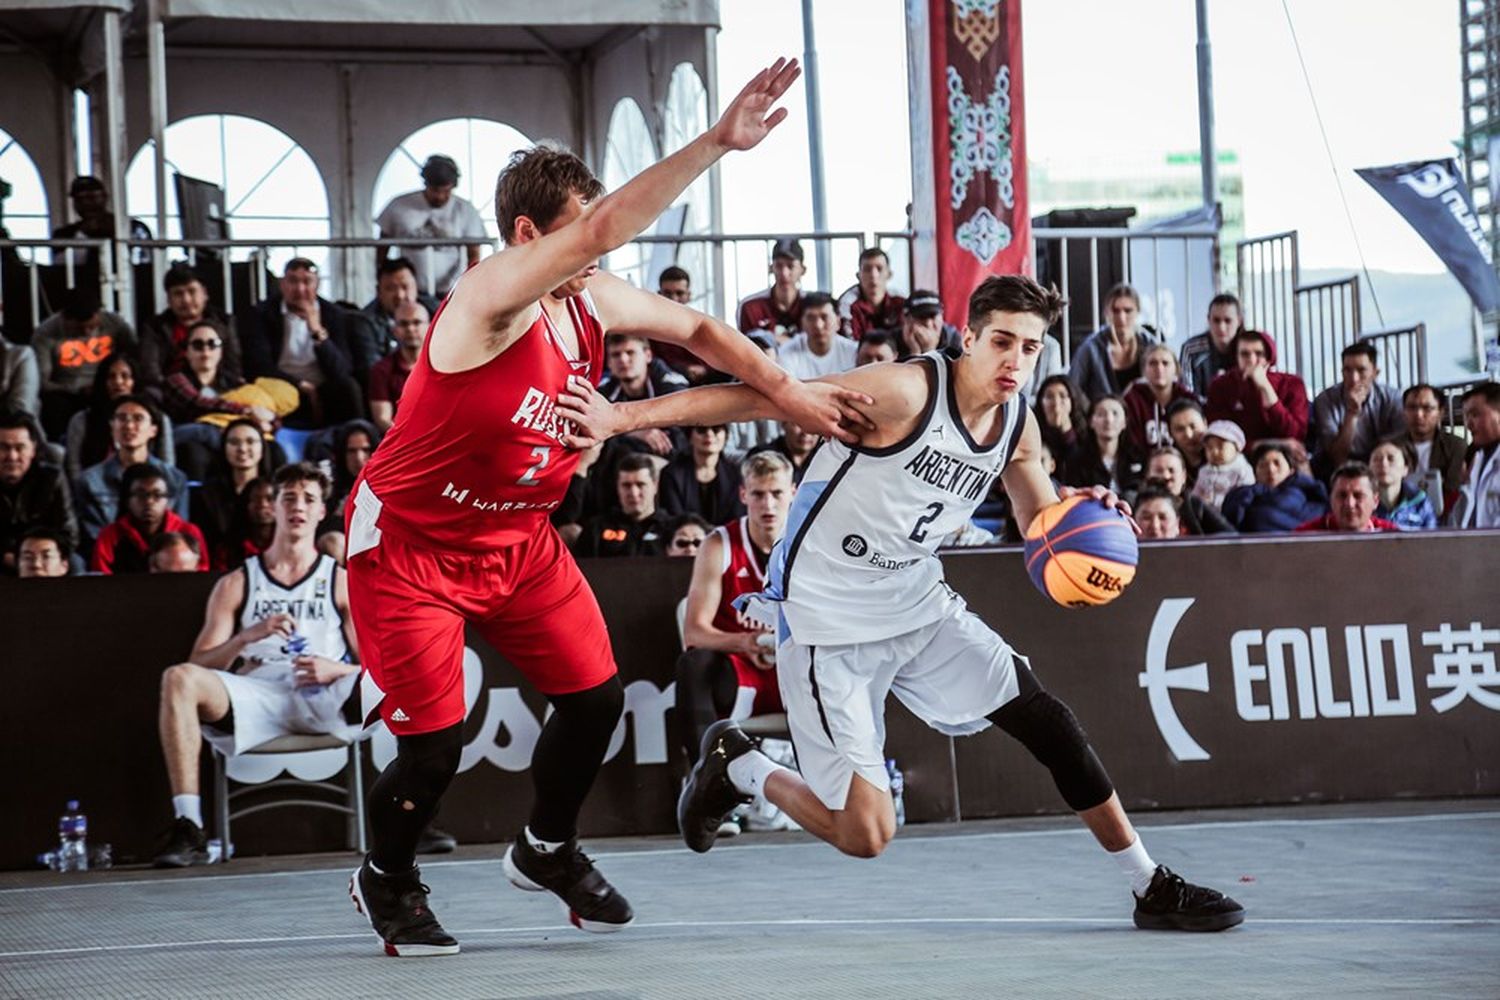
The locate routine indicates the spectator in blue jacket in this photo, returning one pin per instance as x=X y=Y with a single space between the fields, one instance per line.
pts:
x=1401 y=503
x=1280 y=498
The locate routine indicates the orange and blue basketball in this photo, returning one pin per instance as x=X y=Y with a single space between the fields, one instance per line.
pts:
x=1081 y=553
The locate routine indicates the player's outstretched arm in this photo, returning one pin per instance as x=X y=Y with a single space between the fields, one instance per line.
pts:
x=510 y=282
x=1030 y=488
x=887 y=398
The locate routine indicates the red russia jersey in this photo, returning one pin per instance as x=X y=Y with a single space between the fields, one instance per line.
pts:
x=474 y=460
x=744 y=573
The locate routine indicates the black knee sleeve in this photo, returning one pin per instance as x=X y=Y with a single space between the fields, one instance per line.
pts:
x=1051 y=732
x=404 y=799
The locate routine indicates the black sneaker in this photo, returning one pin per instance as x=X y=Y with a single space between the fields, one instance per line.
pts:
x=593 y=904
x=186 y=845
x=709 y=797
x=1172 y=904
x=397 y=908
x=435 y=841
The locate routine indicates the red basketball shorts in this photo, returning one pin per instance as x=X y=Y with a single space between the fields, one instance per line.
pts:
x=530 y=602
x=767 y=691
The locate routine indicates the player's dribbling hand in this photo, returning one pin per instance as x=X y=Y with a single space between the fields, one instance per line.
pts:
x=827 y=410
x=746 y=121
x=1105 y=496
x=592 y=417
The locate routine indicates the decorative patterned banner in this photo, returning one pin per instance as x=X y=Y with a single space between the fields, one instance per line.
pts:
x=970 y=195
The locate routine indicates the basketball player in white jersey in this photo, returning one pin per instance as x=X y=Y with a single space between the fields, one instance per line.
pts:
x=861 y=609
x=277 y=655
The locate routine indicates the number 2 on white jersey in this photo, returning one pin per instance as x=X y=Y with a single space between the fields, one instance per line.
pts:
x=543 y=456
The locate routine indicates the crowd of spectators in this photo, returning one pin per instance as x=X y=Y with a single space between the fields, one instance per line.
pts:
x=125 y=451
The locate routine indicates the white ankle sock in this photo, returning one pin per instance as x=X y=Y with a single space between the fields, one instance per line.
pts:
x=749 y=772
x=542 y=846
x=188 y=807
x=1137 y=866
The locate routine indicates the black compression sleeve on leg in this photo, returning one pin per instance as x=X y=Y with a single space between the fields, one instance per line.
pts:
x=568 y=754
x=405 y=797
x=1048 y=728
x=706 y=688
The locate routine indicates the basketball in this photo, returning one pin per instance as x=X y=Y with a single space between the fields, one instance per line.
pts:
x=1081 y=553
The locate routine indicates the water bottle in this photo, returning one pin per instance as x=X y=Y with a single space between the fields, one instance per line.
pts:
x=296 y=645
x=898 y=791
x=72 y=840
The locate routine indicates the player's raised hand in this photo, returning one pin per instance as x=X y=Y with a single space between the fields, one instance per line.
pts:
x=827 y=410
x=593 y=418
x=750 y=116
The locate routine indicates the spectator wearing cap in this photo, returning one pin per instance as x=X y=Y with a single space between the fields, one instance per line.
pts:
x=145 y=498
x=164 y=337
x=1224 y=467
x=1352 y=504
x=1206 y=354
x=1281 y=496
x=870 y=305
x=133 y=426
x=923 y=329
x=374 y=335
x=1350 y=418
x=301 y=338
x=96 y=222
x=1265 y=403
x=676 y=284
x=1109 y=359
x=69 y=346
x=433 y=211
x=33 y=493
x=819 y=349
x=778 y=310
x=1150 y=396
x=1166 y=469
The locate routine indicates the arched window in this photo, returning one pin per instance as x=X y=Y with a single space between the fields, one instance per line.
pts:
x=272 y=188
x=686 y=118
x=629 y=149
x=25 y=207
x=479 y=146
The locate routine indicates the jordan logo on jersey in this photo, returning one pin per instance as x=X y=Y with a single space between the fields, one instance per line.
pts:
x=950 y=474
x=538 y=412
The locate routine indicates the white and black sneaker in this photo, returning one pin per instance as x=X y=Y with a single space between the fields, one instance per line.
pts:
x=397 y=907
x=593 y=904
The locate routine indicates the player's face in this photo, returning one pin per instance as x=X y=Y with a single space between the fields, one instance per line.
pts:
x=1003 y=351
x=1158 y=519
x=1353 y=502
x=40 y=557
x=299 y=508
x=768 y=499
x=637 y=492
x=628 y=360
x=576 y=284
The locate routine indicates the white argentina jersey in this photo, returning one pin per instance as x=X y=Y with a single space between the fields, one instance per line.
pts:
x=859 y=559
x=310 y=603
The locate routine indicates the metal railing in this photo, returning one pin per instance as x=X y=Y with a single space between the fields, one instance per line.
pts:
x=1328 y=321
x=41 y=283
x=1269 y=275
x=1452 y=394
x=1403 y=353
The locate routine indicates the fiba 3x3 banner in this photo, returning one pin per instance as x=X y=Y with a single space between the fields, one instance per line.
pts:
x=969 y=206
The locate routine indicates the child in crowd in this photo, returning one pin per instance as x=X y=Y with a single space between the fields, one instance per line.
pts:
x=1224 y=467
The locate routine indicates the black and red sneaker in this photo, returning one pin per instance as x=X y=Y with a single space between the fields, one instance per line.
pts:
x=1172 y=904
x=593 y=904
x=397 y=907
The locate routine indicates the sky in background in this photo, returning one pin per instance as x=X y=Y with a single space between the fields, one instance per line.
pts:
x=1106 y=78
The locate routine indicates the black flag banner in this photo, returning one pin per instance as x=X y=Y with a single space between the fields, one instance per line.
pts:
x=1430 y=194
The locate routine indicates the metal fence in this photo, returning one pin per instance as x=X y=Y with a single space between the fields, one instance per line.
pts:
x=1403 y=353
x=1328 y=321
x=34 y=289
x=1269 y=274
x=1452 y=397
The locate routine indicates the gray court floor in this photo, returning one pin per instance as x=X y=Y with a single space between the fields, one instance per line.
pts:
x=1350 y=901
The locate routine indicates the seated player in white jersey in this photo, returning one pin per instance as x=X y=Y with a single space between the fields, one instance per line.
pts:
x=249 y=679
x=862 y=609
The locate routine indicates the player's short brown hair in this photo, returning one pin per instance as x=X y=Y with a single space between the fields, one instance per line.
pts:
x=537 y=183
x=302 y=472
x=1014 y=293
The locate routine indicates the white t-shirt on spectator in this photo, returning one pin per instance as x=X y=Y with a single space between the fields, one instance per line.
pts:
x=410 y=215
x=1424 y=458
x=798 y=360
x=299 y=356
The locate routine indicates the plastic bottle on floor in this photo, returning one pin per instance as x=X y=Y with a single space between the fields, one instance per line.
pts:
x=898 y=790
x=72 y=840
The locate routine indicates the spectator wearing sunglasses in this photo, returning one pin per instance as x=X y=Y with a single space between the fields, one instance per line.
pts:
x=685 y=534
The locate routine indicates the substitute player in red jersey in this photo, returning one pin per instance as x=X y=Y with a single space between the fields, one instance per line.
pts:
x=728 y=657
x=448 y=524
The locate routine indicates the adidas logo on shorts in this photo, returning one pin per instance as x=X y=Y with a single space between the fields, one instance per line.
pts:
x=400 y=716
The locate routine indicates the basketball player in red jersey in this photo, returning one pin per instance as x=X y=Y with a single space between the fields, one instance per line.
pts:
x=726 y=654
x=448 y=524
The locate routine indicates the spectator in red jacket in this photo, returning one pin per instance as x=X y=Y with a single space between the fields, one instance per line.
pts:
x=1353 y=502
x=1265 y=403
x=1147 y=399
x=124 y=546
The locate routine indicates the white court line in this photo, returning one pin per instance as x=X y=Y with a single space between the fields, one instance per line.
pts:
x=790 y=922
x=1070 y=831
